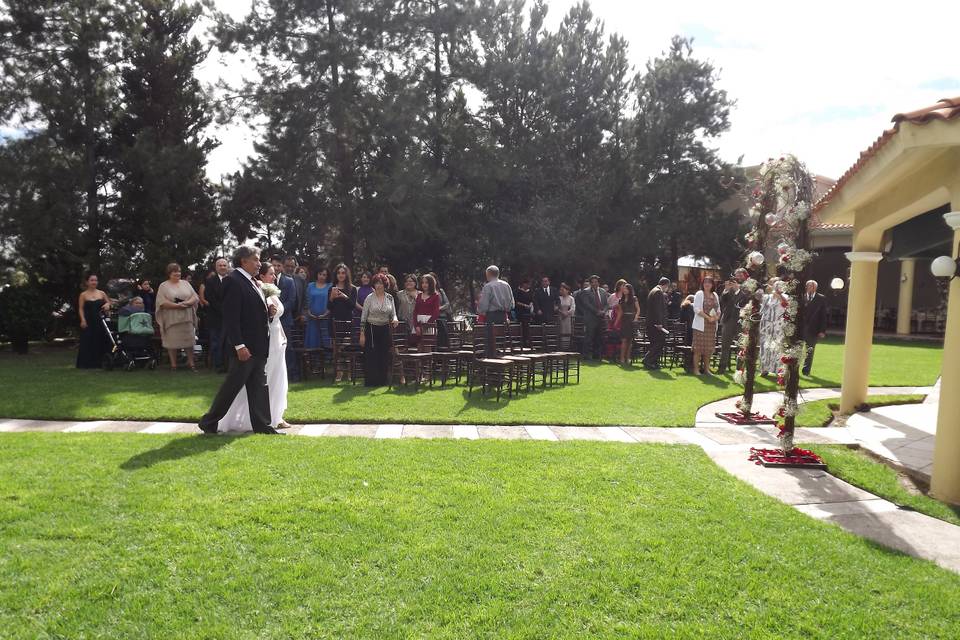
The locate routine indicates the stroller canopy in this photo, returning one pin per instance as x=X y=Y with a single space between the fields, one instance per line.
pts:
x=138 y=324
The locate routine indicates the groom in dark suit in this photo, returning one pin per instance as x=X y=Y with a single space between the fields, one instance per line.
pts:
x=246 y=343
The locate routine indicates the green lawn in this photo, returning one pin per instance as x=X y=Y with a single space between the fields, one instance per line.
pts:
x=46 y=385
x=134 y=536
x=861 y=470
x=819 y=413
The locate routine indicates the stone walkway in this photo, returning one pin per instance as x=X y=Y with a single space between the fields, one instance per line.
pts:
x=900 y=434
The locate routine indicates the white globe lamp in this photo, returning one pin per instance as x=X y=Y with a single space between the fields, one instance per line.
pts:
x=837 y=284
x=943 y=267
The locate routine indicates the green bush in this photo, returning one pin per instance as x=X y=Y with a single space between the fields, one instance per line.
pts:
x=24 y=313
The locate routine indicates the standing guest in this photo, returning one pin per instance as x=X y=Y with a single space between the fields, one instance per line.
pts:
x=92 y=304
x=628 y=313
x=343 y=295
x=578 y=312
x=378 y=318
x=446 y=314
x=363 y=291
x=496 y=301
x=246 y=331
x=706 y=310
x=289 y=299
x=594 y=303
x=213 y=295
x=302 y=278
x=318 y=316
x=384 y=270
x=238 y=417
x=392 y=286
x=674 y=299
x=177 y=316
x=613 y=302
x=523 y=301
x=427 y=307
x=343 y=300
x=814 y=322
x=406 y=300
x=686 y=317
x=545 y=302
x=771 y=327
x=293 y=271
x=566 y=310
x=656 y=323
x=145 y=291
x=729 y=320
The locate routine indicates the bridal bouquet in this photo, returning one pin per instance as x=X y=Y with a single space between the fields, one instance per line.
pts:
x=270 y=290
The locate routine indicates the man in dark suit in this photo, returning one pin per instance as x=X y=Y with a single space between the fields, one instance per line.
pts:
x=594 y=301
x=814 y=322
x=729 y=320
x=212 y=293
x=545 y=302
x=290 y=265
x=290 y=299
x=246 y=339
x=656 y=323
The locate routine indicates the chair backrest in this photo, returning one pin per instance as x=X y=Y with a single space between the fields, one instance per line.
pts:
x=428 y=338
x=479 y=338
x=399 y=336
x=455 y=334
x=551 y=337
x=513 y=336
x=296 y=335
x=344 y=334
x=537 y=337
x=578 y=330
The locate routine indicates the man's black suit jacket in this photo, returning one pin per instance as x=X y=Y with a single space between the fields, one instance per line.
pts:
x=246 y=320
x=656 y=308
x=545 y=302
x=814 y=317
x=213 y=292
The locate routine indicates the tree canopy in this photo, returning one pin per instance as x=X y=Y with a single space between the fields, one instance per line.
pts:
x=427 y=134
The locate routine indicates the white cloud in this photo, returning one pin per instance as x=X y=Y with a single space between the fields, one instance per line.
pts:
x=820 y=79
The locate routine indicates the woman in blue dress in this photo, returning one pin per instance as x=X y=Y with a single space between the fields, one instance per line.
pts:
x=318 y=317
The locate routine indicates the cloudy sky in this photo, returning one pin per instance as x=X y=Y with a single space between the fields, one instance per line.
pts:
x=819 y=79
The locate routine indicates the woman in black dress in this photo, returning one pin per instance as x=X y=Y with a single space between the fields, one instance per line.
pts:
x=343 y=300
x=523 y=299
x=627 y=313
x=93 y=336
x=377 y=321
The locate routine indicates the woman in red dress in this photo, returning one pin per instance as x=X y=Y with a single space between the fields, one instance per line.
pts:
x=426 y=309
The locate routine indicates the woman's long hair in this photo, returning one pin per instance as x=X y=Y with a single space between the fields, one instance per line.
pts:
x=627 y=294
x=431 y=284
x=336 y=275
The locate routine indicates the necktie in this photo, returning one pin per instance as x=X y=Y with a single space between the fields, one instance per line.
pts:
x=598 y=298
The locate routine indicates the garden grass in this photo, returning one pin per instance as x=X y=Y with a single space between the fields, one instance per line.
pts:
x=819 y=413
x=47 y=386
x=859 y=469
x=135 y=536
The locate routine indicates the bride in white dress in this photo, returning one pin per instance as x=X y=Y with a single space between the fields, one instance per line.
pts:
x=238 y=417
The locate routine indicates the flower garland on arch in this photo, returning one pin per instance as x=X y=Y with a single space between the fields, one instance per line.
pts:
x=792 y=196
x=762 y=203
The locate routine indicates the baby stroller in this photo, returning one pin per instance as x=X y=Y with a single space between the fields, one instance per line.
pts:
x=131 y=345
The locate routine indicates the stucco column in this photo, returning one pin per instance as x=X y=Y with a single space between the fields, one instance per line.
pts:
x=858 y=338
x=908 y=267
x=945 y=483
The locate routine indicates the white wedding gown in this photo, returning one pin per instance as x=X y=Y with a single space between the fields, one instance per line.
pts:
x=238 y=417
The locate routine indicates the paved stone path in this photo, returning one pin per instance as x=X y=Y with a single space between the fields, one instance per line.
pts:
x=900 y=434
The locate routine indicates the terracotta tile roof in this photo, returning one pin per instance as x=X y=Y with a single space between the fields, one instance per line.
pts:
x=945 y=109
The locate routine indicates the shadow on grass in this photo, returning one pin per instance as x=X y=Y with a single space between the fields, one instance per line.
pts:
x=177 y=449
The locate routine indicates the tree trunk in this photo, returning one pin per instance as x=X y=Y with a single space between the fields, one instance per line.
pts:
x=341 y=152
x=90 y=159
